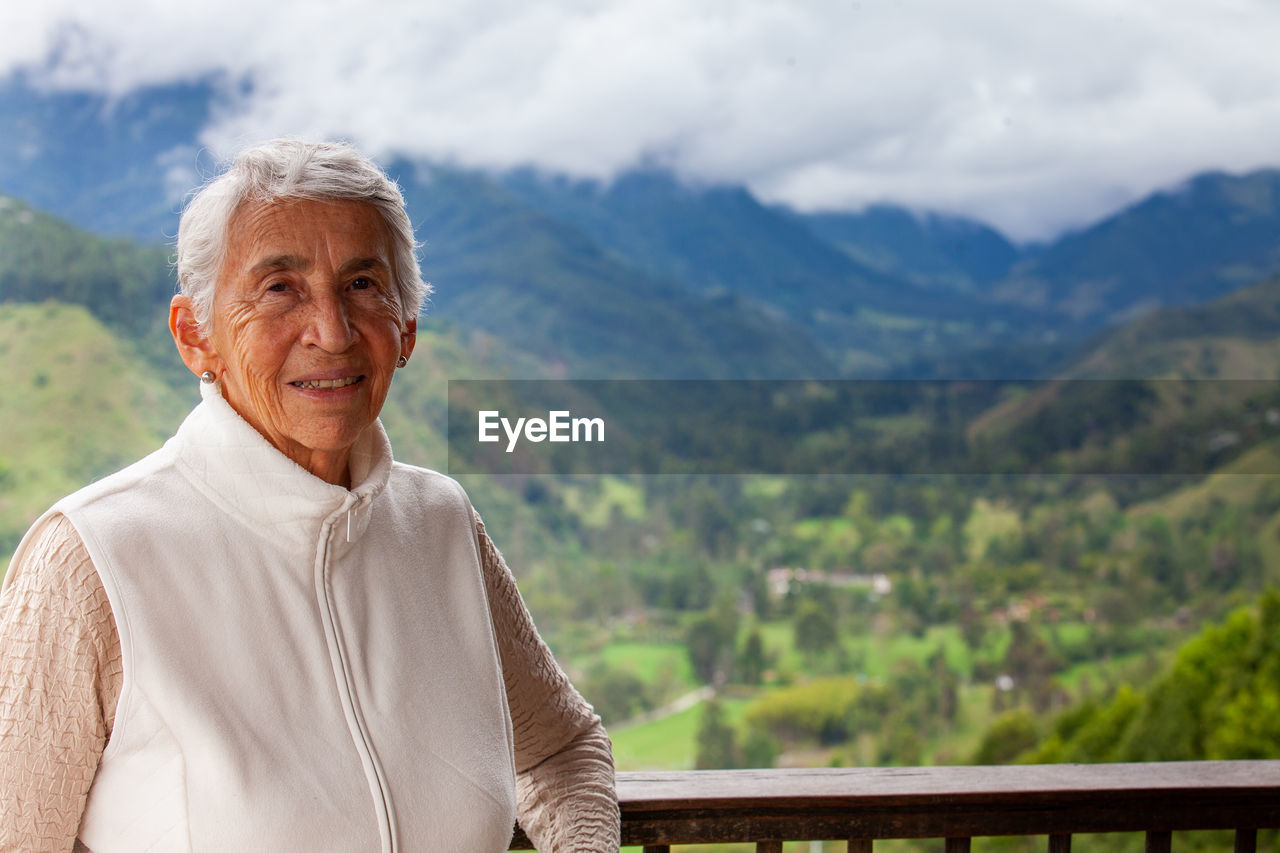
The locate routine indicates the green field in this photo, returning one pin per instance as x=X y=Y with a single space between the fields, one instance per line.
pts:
x=875 y=654
x=669 y=743
x=652 y=662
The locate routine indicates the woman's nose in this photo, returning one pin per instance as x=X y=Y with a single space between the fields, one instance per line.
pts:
x=328 y=326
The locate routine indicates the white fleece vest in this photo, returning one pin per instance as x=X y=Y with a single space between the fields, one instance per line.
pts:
x=306 y=668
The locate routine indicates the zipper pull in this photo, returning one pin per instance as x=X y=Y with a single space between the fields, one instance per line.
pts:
x=352 y=510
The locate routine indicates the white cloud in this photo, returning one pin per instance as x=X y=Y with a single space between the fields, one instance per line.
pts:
x=1035 y=116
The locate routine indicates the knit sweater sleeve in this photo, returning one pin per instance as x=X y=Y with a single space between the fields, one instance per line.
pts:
x=564 y=761
x=60 y=680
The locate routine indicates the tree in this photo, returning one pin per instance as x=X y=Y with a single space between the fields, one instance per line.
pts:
x=751 y=659
x=1032 y=664
x=703 y=643
x=901 y=743
x=759 y=750
x=815 y=628
x=946 y=698
x=711 y=639
x=615 y=693
x=1011 y=734
x=716 y=747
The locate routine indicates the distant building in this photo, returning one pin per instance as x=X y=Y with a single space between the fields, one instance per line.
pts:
x=783 y=578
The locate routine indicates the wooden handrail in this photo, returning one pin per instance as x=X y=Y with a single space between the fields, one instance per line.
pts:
x=954 y=803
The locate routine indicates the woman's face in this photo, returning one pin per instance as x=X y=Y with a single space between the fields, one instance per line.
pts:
x=306 y=326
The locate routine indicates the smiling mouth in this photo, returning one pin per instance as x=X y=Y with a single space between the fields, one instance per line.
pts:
x=327 y=383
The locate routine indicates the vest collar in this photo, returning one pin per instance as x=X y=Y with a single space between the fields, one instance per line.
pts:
x=250 y=479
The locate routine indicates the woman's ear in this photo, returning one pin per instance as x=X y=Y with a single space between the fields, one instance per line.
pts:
x=193 y=344
x=409 y=337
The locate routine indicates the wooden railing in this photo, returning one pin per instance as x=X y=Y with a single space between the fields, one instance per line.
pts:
x=768 y=807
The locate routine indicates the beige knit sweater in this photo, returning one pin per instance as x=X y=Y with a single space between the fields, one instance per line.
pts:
x=61 y=674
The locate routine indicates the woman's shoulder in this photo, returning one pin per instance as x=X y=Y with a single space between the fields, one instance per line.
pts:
x=416 y=476
x=127 y=478
x=425 y=485
x=51 y=541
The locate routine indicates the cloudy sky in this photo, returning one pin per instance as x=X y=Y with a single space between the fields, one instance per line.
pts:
x=1035 y=115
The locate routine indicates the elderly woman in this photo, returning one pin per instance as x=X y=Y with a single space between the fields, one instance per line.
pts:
x=268 y=635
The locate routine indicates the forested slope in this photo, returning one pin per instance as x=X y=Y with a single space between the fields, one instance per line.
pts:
x=1218 y=699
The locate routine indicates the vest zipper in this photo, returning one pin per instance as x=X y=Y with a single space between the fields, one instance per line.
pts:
x=347 y=694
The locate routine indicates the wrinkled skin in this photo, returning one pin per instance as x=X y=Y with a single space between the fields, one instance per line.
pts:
x=306 y=296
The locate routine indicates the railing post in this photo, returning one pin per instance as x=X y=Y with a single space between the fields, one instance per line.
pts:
x=768 y=847
x=859 y=845
x=1246 y=841
x=957 y=845
x=1059 y=844
x=657 y=848
x=1159 y=842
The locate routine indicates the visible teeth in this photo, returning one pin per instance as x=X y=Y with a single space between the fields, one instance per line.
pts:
x=328 y=383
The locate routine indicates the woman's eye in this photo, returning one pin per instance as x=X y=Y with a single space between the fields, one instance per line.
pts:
x=278 y=286
x=362 y=283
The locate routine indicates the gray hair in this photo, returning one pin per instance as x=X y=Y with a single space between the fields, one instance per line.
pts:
x=291 y=169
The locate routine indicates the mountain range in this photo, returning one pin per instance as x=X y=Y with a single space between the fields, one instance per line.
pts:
x=646 y=276
x=104 y=317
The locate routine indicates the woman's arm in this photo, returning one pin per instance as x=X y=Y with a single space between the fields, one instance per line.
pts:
x=564 y=762
x=60 y=678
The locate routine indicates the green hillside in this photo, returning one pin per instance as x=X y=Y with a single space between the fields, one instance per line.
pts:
x=1234 y=337
x=78 y=403
x=42 y=258
x=546 y=288
x=1060 y=586
x=1218 y=699
x=1180 y=389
